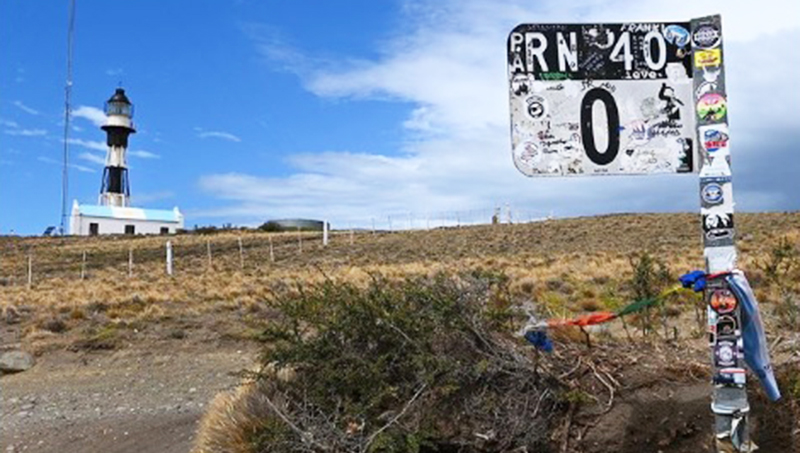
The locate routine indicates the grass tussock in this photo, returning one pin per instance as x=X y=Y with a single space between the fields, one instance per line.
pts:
x=235 y=420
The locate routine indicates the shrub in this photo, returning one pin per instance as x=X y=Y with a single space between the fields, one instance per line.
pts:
x=779 y=268
x=412 y=366
x=650 y=278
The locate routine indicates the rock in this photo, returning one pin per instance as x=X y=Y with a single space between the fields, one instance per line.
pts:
x=16 y=361
x=11 y=315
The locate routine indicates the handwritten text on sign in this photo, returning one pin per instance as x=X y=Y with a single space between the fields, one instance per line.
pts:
x=601 y=99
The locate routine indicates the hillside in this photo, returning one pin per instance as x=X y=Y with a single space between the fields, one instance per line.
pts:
x=219 y=296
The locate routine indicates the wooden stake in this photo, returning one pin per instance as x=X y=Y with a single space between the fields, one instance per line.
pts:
x=83 y=266
x=130 y=262
x=169 y=257
x=208 y=248
x=30 y=271
x=241 y=254
x=271 y=251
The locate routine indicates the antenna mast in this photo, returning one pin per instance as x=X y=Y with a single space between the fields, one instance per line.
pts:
x=67 y=115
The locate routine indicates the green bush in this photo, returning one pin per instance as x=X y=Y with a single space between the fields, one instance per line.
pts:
x=427 y=364
x=650 y=277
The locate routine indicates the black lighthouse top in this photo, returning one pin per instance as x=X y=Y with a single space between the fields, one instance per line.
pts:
x=119 y=104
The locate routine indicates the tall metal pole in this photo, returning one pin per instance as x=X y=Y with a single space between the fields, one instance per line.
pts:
x=67 y=115
x=729 y=399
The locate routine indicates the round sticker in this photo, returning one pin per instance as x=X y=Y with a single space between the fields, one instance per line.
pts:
x=677 y=35
x=714 y=138
x=712 y=193
x=726 y=356
x=722 y=301
x=706 y=36
x=536 y=106
x=712 y=107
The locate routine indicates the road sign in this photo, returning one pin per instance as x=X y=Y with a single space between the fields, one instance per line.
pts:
x=602 y=99
x=639 y=98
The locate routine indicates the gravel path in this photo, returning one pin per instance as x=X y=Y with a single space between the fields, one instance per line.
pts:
x=132 y=400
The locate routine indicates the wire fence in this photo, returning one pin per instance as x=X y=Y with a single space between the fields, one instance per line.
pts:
x=33 y=261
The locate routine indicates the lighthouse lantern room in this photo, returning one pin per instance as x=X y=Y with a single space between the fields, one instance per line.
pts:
x=113 y=214
x=116 y=190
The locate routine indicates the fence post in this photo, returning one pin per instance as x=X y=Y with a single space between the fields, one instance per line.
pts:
x=351 y=235
x=83 y=266
x=271 y=251
x=325 y=233
x=30 y=271
x=241 y=254
x=299 y=241
x=130 y=262
x=169 y=257
x=208 y=249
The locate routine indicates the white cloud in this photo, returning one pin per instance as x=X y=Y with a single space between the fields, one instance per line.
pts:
x=93 y=114
x=81 y=168
x=450 y=67
x=142 y=154
x=217 y=134
x=8 y=123
x=26 y=132
x=90 y=144
x=51 y=161
x=93 y=158
x=25 y=108
x=114 y=72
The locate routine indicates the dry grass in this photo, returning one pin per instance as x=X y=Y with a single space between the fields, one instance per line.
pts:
x=566 y=266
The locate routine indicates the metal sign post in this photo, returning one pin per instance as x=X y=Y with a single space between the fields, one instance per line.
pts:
x=640 y=98
x=729 y=400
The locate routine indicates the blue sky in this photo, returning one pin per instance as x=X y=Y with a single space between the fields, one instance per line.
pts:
x=348 y=110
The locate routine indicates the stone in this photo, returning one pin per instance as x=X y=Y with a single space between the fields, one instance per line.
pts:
x=11 y=315
x=16 y=361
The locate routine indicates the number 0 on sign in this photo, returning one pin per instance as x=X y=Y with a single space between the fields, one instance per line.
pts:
x=596 y=99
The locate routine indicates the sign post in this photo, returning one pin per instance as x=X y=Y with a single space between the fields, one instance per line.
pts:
x=729 y=400
x=640 y=98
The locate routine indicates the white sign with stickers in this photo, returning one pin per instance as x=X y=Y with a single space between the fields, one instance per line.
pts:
x=602 y=99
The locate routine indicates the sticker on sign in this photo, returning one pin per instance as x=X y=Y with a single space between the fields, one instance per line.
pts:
x=596 y=99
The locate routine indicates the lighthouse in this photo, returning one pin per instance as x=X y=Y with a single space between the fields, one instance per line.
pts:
x=113 y=213
x=115 y=189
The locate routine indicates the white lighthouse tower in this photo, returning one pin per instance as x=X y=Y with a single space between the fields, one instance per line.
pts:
x=115 y=190
x=113 y=213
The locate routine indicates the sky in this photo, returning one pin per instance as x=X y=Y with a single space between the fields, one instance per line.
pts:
x=353 y=111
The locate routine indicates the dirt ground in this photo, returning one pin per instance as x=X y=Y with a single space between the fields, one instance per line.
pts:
x=149 y=398
x=141 y=399
x=677 y=419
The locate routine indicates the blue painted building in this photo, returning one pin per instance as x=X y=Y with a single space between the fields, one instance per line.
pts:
x=113 y=214
x=92 y=220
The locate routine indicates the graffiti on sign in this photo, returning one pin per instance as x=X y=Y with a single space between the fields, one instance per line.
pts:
x=628 y=84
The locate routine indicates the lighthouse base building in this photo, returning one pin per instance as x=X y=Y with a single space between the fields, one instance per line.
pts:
x=93 y=220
